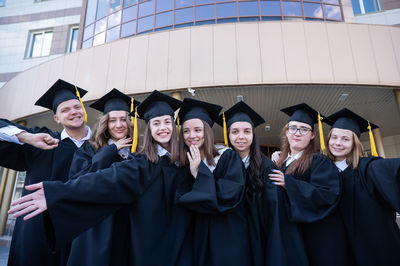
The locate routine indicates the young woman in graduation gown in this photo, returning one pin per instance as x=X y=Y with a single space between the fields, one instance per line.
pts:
x=111 y=139
x=220 y=228
x=312 y=186
x=159 y=231
x=44 y=155
x=274 y=240
x=371 y=194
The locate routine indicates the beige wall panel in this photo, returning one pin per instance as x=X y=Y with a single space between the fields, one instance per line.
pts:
x=225 y=60
x=117 y=66
x=341 y=53
x=201 y=54
x=99 y=72
x=41 y=85
x=395 y=36
x=294 y=43
x=179 y=59
x=56 y=70
x=70 y=65
x=26 y=93
x=363 y=54
x=137 y=63
x=7 y=109
x=272 y=54
x=248 y=53
x=81 y=74
x=157 y=62
x=318 y=52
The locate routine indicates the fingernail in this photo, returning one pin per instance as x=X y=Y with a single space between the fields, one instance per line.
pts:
x=273 y=183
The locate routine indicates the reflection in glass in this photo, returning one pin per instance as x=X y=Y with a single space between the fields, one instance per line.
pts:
x=248 y=8
x=99 y=39
x=270 y=8
x=129 y=13
x=74 y=40
x=129 y=2
x=100 y=25
x=145 y=24
x=114 y=19
x=90 y=12
x=102 y=7
x=332 y=12
x=370 y=6
x=128 y=29
x=36 y=45
x=88 y=32
x=114 y=5
x=87 y=43
x=163 y=5
x=226 y=10
x=199 y=2
x=164 y=19
x=146 y=8
x=205 y=12
x=356 y=7
x=184 y=15
x=182 y=3
x=113 y=34
x=312 y=10
x=318 y=1
x=335 y=2
x=291 y=9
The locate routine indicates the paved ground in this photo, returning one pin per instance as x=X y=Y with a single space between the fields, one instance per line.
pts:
x=4 y=249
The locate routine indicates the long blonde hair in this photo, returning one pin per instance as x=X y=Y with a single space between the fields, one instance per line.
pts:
x=357 y=151
x=100 y=134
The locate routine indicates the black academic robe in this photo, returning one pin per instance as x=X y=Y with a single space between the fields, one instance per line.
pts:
x=312 y=198
x=274 y=239
x=220 y=227
x=159 y=231
x=105 y=243
x=28 y=244
x=371 y=195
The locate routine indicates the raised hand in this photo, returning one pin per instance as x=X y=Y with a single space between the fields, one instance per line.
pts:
x=278 y=178
x=39 y=140
x=194 y=157
x=275 y=156
x=123 y=143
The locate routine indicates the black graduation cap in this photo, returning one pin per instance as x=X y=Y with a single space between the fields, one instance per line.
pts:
x=157 y=104
x=302 y=113
x=114 y=100
x=347 y=119
x=61 y=91
x=241 y=112
x=205 y=111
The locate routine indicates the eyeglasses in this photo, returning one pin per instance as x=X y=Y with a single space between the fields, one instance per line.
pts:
x=303 y=130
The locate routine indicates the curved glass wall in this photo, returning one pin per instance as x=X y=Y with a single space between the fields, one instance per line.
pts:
x=108 y=20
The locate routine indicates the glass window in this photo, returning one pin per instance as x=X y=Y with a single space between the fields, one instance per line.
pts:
x=114 y=19
x=226 y=10
x=162 y=5
x=129 y=13
x=247 y=9
x=312 y=10
x=205 y=12
x=100 y=25
x=87 y=43
x=88 y=32
x=73 y=39
x=2 y=2
x=318 y=1
x=145 y=24
x=99 y=39
x=164 y=19
x=204 y=1
x=335 y=2
x=112 y=34
x=183 y=3
x=184 y=15
x=292 y=9
x=102 y=7
x=270 y=8
x=356 y=7
x=114 y=5
x=146 y=8
x=332 y=12
x=129 y=2
x=128 y=29
x=370 y=6
x=91 y=12
x=40 y=43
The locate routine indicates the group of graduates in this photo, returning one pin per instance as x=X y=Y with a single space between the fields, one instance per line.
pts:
x=91 y=199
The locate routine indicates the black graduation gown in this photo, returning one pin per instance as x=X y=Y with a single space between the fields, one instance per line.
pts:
x=220 y=227
x=274 y=239
x=371 y=194
x=159 y=231
x=312 y=198
x=105 y=243
x=28 y=244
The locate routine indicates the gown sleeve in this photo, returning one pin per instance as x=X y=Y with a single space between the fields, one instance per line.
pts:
x=316 y=195
x=218 y=191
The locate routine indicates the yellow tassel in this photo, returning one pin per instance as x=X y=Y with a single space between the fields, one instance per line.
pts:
x=131 y=109
x=135 y=133
x=225 y=131
x=83 y=107
x=321 y=133
x=178 y=126
x=371 y=139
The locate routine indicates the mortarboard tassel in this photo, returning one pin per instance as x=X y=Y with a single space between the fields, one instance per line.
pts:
x=83 y=107
x=178 y=126
x=321 y=133
x=225 y=131
x=371 y=139
x=135 y=133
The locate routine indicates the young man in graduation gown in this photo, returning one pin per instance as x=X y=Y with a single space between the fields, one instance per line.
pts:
x=44 y=155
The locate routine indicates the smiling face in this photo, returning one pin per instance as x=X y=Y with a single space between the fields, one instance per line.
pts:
x=70 y=114
x=340 y=143
x=118 y=124
x=241 y=137
x=161 y=129
x=193 y=132
x=297 y=141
